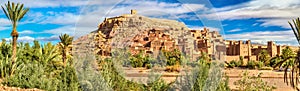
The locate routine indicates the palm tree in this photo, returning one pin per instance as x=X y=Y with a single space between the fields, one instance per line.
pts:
x=65 y=42
x=295 y=68
x=263 y=56
x=285 y=58
x=14 y=13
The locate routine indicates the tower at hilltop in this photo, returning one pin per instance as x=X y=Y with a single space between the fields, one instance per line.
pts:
x=133 y=12
x=150 y=35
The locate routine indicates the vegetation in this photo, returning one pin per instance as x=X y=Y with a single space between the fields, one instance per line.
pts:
x=203 y=78
x=253 y=83
x=65 y=43
x=263 y=56
x=52 y=66
x=251 y=64
x=295 y=68
x=241 y=60
x=14 y=13
x=37 y=67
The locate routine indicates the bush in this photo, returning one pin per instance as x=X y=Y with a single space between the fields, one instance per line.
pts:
x=252 y=83
x=241 y=61
x=149 y=66
x=251 y=64
x=35 y=76
x=157 y=84
x=223 y=85
x=202 y=78
x=233 y=64
x=260 y=64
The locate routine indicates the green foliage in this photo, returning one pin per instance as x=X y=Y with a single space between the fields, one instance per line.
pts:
x=260 y=64
x=68 y=80
x=263 y=56
x=294 y=77
x=32 y=76
x=234 y=63
x=252 y=83
x=274 y=61
x=203 y=78
x=5 y=49
x=241 y=60
x=14 y=12
x=64 y=44
x=114 y=79
x=137 y=60
x=287 y=52
x=158 y=84
x=251 y=64
x=90 y=79
x=6 y=67
x=173 y=57
x=223 y=85
x=38 y=66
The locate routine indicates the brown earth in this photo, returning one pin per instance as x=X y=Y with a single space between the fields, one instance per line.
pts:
x=5 y=88
x=274 y=78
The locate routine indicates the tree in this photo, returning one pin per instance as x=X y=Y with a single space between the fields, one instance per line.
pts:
x=263 y=56
x=14 y=13
x=65 y=42
x=295 y=69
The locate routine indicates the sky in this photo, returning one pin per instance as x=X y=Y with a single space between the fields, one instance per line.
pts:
x=256 y=20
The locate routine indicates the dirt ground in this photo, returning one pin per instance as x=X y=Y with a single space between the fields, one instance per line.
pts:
x=274 y=78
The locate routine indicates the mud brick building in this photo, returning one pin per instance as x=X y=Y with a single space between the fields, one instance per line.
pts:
x=151 y=35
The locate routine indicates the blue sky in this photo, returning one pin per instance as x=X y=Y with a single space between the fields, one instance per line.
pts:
x=257 y=20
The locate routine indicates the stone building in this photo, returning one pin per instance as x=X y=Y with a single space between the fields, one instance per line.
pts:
x=237 y=49
x=150 y=35
x=152 y=41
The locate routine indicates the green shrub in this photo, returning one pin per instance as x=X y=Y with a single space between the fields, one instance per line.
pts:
x=253 y=83
x=233 y=64
x=173 y=57
x=32 y=76
x=149 y=66
x=35 y=76
x=202 y=78
x=158 y=84
x=251 y=64
x=241 y=61
x=223 y=85
x=260 y=64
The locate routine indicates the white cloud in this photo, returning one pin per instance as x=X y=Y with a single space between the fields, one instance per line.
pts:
x=235 y=30
x=75 y=31
x=61 y=3
x=22 y=39
x=273 y=12
x=63 y=18
x=61 y=30
x=285 y=36
x=4 y=28
x=4 y=22
x=275 y=22
x=51 y=38
x=27 y=32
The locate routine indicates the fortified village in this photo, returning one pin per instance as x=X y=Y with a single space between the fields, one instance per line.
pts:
x=150 y=35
